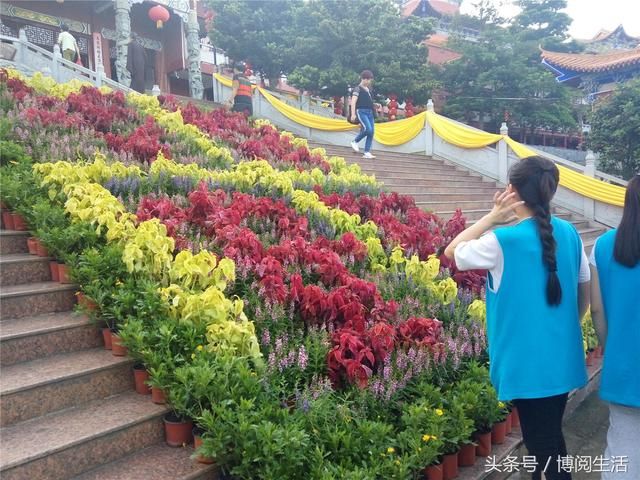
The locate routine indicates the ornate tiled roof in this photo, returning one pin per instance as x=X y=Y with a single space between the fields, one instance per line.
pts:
x=440 y=6
x=604 y=34
x=587 y=62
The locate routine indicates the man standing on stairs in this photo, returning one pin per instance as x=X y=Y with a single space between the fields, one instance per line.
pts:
x=68 y=44
x=362 y=108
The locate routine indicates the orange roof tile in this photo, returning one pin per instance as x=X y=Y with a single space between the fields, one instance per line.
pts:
x=592 y=62
x=409 y=7
x=436 y=39
x=444 y=8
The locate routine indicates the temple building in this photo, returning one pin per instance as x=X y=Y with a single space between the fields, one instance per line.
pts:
x=610 y=59
x=179 y=59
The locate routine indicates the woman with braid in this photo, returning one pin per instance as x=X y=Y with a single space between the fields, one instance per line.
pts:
x=537 y=292
x=615 y=267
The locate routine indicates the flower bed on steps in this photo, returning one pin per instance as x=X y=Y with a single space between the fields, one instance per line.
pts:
x=303 y=320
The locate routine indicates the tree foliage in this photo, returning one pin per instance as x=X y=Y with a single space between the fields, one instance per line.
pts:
x=615 y=131
x=323 y=45
x=501 y=72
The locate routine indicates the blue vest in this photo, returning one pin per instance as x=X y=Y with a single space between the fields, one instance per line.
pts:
x=619 y=286
x=535 y=349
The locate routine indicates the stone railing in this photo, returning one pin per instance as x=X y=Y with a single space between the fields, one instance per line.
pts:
x=492 y=162
x=29 y=58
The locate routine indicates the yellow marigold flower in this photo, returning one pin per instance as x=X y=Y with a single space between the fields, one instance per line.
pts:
x=439 y=412
x=501 y=404
x=426 y=437
x=199 y=348
x=397 y=462
x=391 y=450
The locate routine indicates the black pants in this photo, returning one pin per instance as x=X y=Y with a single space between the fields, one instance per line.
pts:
x=243 y=104
x=541 y=424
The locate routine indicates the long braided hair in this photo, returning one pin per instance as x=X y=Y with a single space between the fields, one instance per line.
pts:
x=536 y=180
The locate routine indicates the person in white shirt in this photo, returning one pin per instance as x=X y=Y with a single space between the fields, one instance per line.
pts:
x=68 y=44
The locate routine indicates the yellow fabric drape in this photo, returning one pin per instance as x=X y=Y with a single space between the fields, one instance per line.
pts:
x=305 y=118
x=460 y=135
x=399 y=131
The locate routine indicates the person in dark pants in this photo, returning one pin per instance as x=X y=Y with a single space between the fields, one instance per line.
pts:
x=136 y=63
x=241 y=97
x=615 y=270
x=537 y=292
x=362 y=109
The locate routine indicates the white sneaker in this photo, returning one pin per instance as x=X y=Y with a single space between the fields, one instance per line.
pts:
x=368 y=155
x=355 y=147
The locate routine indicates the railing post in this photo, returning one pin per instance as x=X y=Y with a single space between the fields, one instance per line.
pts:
x=428 y=132
x=155 y=91
x=55 y=66
x=590 y=171
x=503 y=155
x=21 y=55
x=99 y=75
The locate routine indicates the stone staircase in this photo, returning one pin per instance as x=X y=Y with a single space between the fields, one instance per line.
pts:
x=442 y=187
x=68 y=408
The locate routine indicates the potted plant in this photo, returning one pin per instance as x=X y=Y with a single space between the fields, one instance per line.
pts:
x=458 y=429
x=499 y=428
x=134 y=336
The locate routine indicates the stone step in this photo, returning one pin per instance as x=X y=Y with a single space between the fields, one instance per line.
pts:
x=36 y=298
x=346 y=151
x=19 y=268
x=386 y=160
x=471 y=205
x=590 y=234
x=29 y=338
x=158 y=462
x=12 y=241
x=453 y=198
x=406 y=181
x=444 y=178
x=76 y=440
x=413 y=190
x=425 y=170
x=46 y=385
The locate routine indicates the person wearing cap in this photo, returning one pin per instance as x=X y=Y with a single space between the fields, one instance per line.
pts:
x=241 y=96
x=68 y=44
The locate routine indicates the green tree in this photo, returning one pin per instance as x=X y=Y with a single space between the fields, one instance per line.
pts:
x=322 y=46
x=501 y=72
x=615 y=131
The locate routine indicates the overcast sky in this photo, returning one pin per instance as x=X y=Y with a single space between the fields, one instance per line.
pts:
x=589 y=16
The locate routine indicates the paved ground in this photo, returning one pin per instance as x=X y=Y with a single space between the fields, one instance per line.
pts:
x=585 y=432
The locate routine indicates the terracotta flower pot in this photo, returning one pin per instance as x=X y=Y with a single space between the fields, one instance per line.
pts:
x=177 y=431
x=7 y=220
x=197 y=442
x=63 y=273
x=515 y=418
x=509 y=425
x=450 y=466
x=499 y=432
x=85 y=302
x=433 y=472
x=117 y=349
x=157 y=396
x=141 y=376
x=467 y=455
x=18 y=222
x=32 y=245
x=106 y=335
x=53 y=268
x=483 y=441
x=41 y=250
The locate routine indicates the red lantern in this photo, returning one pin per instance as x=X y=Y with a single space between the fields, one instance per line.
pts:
x=159 y=14
x=409 y=109
x=337 y=105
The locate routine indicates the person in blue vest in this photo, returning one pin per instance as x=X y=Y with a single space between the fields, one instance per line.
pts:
x=615 y=309
x=537 y=291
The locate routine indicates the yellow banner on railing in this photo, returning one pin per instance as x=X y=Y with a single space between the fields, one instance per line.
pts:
x=460 y=135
